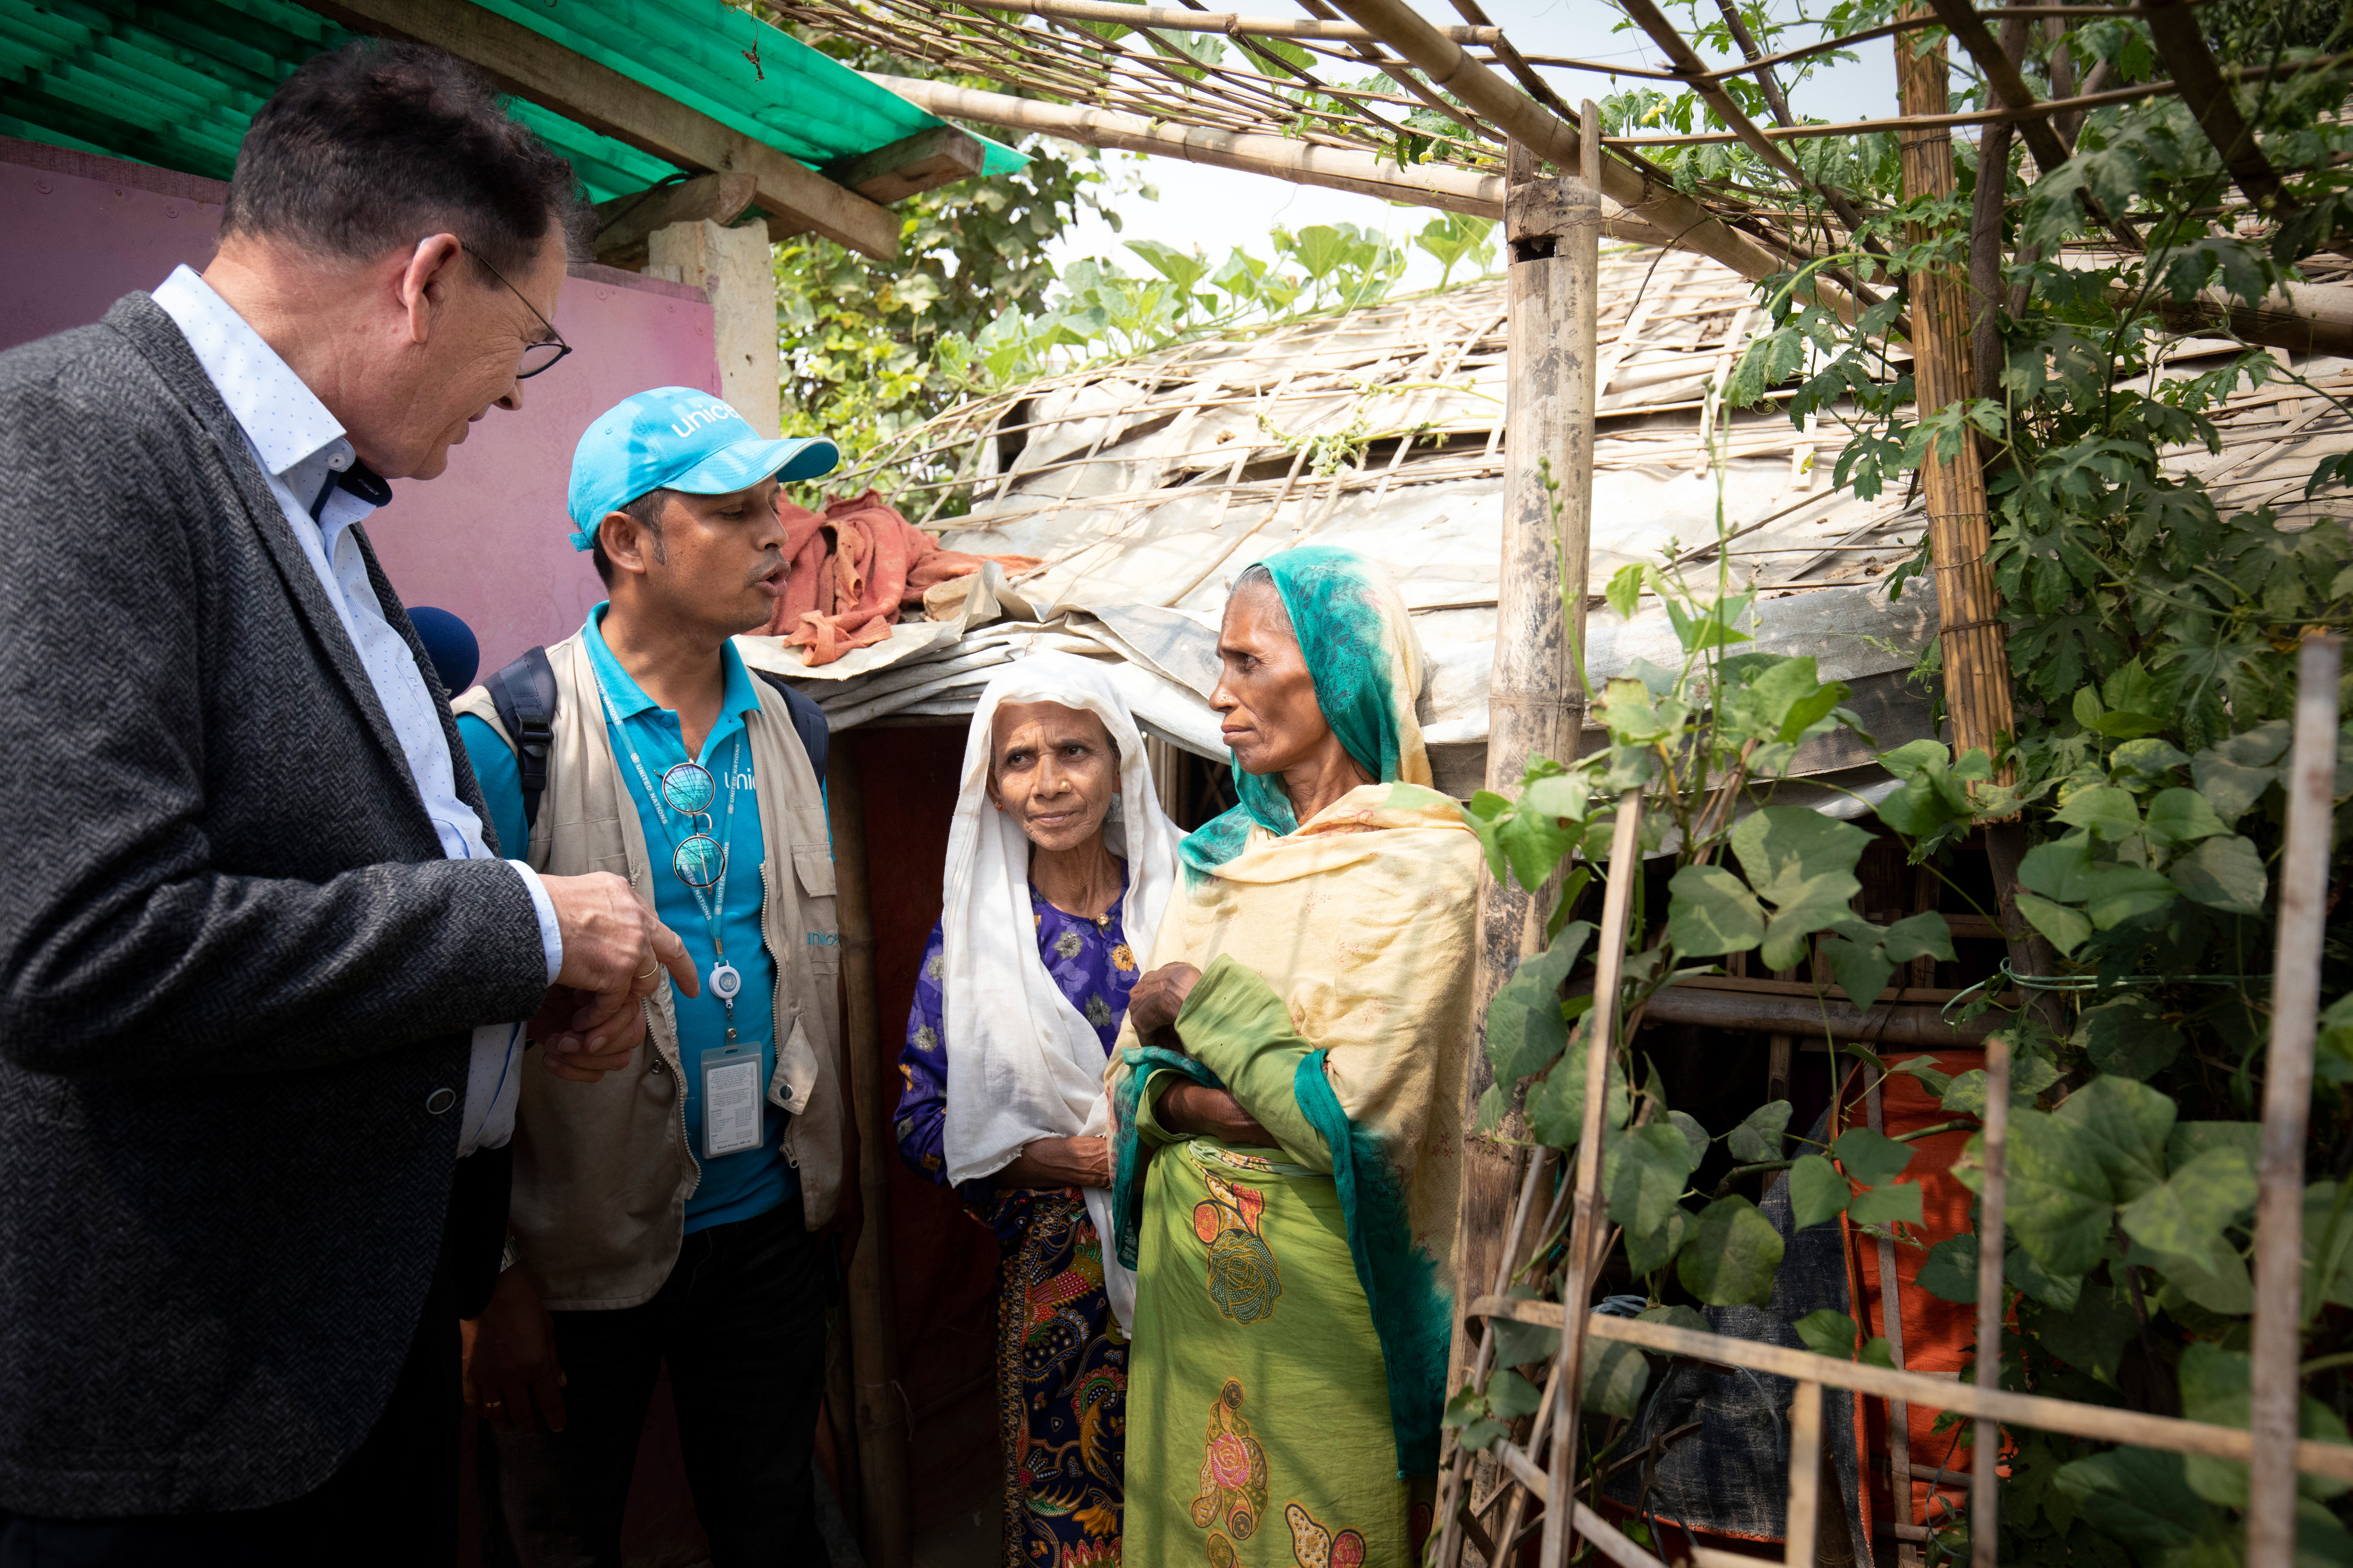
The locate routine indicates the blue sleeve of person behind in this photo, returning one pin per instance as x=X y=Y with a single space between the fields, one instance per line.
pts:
x=501 y=781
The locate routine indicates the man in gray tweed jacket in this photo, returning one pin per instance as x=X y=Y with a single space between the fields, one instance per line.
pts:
x=261 y=969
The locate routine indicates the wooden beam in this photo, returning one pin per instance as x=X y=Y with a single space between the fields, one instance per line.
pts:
x=625 y=223
x=1278 y=157
x=2101 y=1423
x=2183 y=49
x=931 y=158
x=542 y=71
x=1175 y=20
x=1522 y=119
x=1884 y=1024
x=1301 y=162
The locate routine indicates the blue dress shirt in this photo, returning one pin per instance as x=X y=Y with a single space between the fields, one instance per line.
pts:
x=300 y=447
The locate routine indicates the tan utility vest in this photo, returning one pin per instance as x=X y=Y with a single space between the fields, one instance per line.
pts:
x=602 y=1170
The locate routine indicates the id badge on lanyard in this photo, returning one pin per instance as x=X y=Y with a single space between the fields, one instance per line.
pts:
x=731 y=1099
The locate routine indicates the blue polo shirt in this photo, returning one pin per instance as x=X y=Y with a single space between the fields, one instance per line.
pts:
x=734 y=1186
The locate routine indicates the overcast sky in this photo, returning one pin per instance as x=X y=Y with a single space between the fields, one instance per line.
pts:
x=1217 y=209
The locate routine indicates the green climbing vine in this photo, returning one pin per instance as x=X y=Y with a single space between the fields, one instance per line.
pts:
x=2152 y=635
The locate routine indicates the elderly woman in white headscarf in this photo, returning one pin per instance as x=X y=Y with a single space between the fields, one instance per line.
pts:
x=1060 y=863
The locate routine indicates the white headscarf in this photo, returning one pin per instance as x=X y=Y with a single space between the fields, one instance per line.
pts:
x=1023 y=1062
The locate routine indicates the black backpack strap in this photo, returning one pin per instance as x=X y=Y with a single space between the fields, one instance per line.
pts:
x=524 y=695
x=808 y=722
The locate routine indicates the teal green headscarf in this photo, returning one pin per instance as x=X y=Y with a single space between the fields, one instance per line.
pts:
x=1360 y=650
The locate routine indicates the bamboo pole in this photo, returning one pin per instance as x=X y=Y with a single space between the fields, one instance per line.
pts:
x=1553 y=233
x=1689 y=226
x=886 y=1495
x=1232 y=25
x=1976 y=662
x=2101 y=1423
x=1803 y=1520
x=2276 y=1385
x=1986 y=1440
x=1300 y=162
x=1884 y=1023
x=1590 y=1226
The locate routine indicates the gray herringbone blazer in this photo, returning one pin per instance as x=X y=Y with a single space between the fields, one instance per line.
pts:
x=234 y=965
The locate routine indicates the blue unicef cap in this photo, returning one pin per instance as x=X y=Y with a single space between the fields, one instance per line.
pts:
x=676 y=438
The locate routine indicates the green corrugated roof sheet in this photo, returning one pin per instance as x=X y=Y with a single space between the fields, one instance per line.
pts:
x=174 y=83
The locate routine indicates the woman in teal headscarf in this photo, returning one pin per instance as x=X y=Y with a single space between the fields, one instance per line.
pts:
x=1286 y=1117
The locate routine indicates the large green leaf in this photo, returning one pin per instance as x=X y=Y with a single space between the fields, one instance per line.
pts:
x=2189 y=1140
x=2028 y=1076
x=2188 y=1213
x=2105 y=811
x=2056 y=870
x=1525 y=1028
x=2116 y=894
x=2140 y=1499
x=2214 y=1389
x=1533 y=843
x=2127 y=1037
x=1760 y=1133
x=1828 y=1332
x=1871 y=1157
x=2126 y=1124
x=1709 y=912
x=2091 y=1335
x=1645 y=1173
x=2179 y=817
x=2327 y=1249
x=2226 y=874
x=2060 y=1203
x=1819 y=904
x=2234 y=774
x=1732 y=1256
x=1897 y=1200
x=1612 y=1377
x=1517 y=1344
x=2066 y=928
x=1555 y=1108
x=1792 y=855
x=1817 y=1192
x=1649 y=1251
x=2059 y=1290
x=1950 y=1271
x=1862 y=972
x=1925 y=935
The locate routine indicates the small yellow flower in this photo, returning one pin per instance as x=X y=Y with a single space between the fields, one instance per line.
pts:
x=1123 y=958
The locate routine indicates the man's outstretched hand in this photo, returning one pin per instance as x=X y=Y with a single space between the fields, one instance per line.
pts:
x=613 y=952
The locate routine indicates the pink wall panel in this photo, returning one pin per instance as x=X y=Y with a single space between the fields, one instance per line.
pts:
x=485 y=541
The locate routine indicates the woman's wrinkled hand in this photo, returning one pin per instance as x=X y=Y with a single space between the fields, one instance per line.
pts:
x=1204 y=1112
x=1054 y=1163
x=1156 y=1000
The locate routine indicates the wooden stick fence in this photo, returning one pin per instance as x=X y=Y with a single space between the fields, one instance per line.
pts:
x=1539 y=1470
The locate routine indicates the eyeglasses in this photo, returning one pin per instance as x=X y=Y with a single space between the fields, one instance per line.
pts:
x=536 y=357
x=688 y=790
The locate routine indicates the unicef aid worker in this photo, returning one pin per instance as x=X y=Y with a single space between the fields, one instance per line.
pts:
x=673 y=1211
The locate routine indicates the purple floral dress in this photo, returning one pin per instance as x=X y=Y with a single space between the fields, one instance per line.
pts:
x=1061 y=1359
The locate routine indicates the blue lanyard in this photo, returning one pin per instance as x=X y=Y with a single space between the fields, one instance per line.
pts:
x=725 y=980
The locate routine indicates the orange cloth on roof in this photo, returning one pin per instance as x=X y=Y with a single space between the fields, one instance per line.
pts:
x=855 y=567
